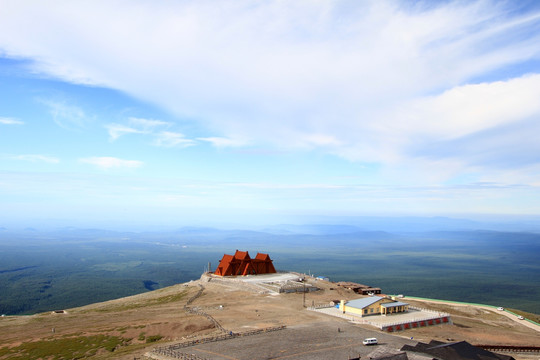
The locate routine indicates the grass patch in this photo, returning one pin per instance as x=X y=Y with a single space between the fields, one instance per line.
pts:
x=67 y=348
x=526 y=315
x=153 y=338
x=170 y=298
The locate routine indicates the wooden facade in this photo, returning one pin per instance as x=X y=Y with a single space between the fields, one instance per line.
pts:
x=242 y=264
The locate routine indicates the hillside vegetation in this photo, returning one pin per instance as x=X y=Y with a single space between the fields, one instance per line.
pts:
x=49 y=271
x=129 y=327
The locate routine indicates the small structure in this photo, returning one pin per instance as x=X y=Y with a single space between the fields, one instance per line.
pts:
x=373 y=305
x=359 y=288
x=242 y=264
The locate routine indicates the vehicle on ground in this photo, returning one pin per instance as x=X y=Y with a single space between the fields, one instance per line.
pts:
x=521 y=317
x=370 y=341
x=500 y=308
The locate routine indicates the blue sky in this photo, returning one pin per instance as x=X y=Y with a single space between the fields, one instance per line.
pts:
x=246 y=112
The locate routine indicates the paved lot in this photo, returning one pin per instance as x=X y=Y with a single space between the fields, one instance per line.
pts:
x=315 y=341
x=380 y=320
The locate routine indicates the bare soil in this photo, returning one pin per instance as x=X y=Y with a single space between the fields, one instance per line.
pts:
x=161 y=313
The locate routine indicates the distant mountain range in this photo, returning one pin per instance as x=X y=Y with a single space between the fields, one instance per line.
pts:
x=321 y=225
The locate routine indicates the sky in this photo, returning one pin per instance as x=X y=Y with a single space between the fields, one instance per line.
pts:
x=146 y=113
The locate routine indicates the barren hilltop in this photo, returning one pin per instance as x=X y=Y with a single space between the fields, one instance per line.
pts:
x=206 y=310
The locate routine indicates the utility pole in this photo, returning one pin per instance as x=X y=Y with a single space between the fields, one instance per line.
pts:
x=304 y=293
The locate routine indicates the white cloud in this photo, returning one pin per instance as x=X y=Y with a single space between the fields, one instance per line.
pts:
x=468 y=109
x=362 y=80
x=107 y=162
x=117 y=130
x=147 y=124
x=172 y=139
x=36 y=157
x=457 y=113
x=223 y=142
x=67 y=116
x=135 y=126
x=10 y=121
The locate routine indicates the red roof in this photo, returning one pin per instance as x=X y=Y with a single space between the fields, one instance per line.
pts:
x=241 y=255
x=242 y=264
x=261 y=256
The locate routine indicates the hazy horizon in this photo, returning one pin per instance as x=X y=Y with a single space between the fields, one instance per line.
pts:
x=395 y=224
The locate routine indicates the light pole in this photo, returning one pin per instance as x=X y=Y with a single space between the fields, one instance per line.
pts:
x=304 y=293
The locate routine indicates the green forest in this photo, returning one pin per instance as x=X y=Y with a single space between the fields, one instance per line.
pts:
x=50 y=271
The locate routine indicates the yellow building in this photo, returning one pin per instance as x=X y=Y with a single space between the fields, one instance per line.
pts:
x=373 y=305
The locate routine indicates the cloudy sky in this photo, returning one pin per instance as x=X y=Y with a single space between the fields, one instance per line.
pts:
x=178 y=112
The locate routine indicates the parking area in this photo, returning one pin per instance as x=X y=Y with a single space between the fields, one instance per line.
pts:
x=323 y=340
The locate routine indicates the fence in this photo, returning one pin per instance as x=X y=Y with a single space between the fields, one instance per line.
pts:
x=412 y=324
x=197 y=311
x=173 y=350
x=323 y=306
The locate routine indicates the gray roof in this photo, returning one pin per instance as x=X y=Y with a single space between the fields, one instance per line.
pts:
x=454 y=351
x=394 y=304
x=364 y=302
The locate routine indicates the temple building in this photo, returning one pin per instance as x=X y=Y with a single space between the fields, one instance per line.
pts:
x=241 y=264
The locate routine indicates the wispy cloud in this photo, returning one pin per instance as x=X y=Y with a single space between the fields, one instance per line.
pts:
x=223 y=141
x=134 y=125
x=10 y=121
x=117 y=130
x=35 y=158
x=172 y=139
x=107 y=162
x=147 y=124
x=67 y=116
x=150 y=127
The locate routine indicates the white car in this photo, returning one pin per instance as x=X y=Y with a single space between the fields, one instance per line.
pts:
x=370 y=341
x=500 y=308
x=521 y=317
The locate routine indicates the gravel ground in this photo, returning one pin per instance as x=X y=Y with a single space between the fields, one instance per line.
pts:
x=315 y=341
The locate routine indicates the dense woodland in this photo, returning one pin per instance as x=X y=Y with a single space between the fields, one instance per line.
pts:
x=43 y=271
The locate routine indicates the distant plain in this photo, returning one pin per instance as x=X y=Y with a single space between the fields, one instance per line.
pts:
x=48 y=270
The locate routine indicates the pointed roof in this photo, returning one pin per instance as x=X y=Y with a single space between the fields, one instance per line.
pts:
x=227 y=258
x=261 y=256
x=241 y=255
x=241 y=264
